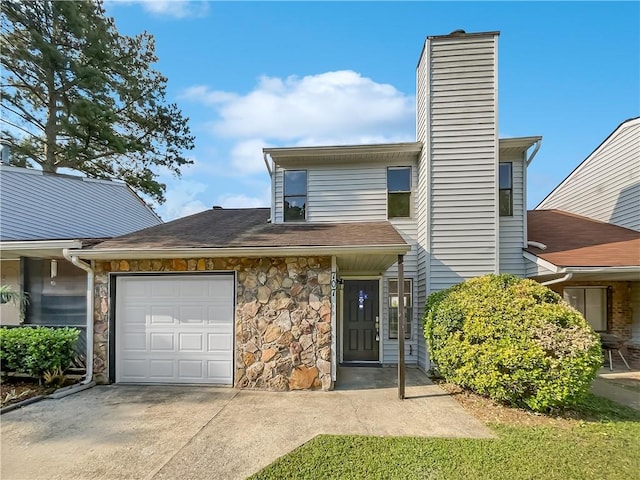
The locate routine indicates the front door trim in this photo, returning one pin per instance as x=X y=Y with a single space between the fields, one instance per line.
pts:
x=340 y=312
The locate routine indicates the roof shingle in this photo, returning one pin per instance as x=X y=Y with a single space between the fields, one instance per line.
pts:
x=576 y=241
x=223 y=228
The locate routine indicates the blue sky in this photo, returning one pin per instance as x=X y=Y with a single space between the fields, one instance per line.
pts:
x=251 y=75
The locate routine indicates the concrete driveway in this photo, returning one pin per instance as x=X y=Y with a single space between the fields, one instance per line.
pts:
x=167 y=432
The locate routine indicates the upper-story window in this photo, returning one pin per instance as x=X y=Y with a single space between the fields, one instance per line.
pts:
x=295 y=195
x=505 y=182
x=398 y=192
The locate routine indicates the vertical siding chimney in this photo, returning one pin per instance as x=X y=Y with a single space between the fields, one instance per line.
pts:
x=457 y=120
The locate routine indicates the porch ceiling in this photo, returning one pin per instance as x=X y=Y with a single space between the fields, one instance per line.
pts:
x=364 y=264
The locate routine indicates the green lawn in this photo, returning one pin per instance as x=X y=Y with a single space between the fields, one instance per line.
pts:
x=600 y=441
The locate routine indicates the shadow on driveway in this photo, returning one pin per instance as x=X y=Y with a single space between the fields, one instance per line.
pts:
x=153 y=432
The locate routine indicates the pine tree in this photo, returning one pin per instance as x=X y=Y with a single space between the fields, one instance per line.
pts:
x=76 y=94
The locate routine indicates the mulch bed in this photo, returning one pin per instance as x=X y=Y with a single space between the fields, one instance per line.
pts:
x=17 y=389
x=490 y=411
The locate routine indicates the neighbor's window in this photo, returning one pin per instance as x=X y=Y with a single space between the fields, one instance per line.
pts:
x=295 y=195
x=506 y=189
x=398 y=192
x=591 y=303
x=58 y=301
x=393 y=308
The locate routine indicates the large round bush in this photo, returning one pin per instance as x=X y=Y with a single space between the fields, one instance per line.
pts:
x=513 y=340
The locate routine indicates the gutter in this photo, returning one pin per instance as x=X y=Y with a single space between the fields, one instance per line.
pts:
x=273 y=186
x=66 y=253
x=566 y=278
x=213 y=252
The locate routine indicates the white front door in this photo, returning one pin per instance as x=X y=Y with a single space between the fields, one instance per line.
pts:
x=174 y=329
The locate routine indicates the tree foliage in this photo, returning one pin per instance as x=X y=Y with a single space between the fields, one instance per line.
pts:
x=77 y=94
x=513 y=340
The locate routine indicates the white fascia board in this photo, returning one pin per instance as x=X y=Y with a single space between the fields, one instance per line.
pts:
x=145 y=253
x=543 y=263
x=39 y=244
x=519 y=142
x=409 y=147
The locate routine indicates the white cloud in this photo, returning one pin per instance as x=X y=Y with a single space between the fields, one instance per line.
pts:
x=342 y=105
x=243 y=201
x=246 y=156
x=181 y=200
x=170 y=8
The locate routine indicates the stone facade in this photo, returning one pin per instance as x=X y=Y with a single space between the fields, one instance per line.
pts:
x=282 y=318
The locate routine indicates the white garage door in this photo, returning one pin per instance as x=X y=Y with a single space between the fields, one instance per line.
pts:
x=174 y=329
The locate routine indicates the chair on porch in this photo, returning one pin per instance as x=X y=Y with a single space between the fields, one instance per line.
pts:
x=612 y=343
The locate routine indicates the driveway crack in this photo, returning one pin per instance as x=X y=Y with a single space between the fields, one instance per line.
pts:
x=188 y=442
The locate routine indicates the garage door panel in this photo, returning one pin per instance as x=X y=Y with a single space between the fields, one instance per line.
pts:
x=135 y=314
x=191 y=369
x=194 y=314
x=161 y=342
x=191 y=342
x=174 y=330
x=134 y=342
x=219 y=342
x=135 y=368
x=161 y=315
x=219 y=369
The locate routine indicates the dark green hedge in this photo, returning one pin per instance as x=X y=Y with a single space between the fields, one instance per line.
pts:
x=37 y=350
x=513 y=340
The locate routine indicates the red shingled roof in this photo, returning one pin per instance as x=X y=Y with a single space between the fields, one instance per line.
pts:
x=576 y=241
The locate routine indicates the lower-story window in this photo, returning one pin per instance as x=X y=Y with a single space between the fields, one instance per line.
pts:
x=394 y=302
x=591 y=302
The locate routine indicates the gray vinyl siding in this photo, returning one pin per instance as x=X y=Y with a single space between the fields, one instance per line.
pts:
x=422 y=199
x=278 y=192
x=606 y=186
x=462 y=150
x=37 y=206
x=512 y=229
x=408 y=230
x=534 y=270
x=345 y=193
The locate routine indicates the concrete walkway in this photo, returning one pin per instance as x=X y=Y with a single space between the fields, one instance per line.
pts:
x=621 y=386
x=160 y=432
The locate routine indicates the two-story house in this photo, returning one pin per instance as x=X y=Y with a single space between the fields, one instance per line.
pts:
x=279 y=297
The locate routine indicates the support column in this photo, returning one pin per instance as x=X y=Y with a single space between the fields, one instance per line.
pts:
x=401 y=380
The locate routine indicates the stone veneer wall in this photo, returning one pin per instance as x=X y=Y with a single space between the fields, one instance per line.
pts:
x=282 y=317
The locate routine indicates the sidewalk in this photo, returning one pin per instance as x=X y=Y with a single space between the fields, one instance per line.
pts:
x=621 y=386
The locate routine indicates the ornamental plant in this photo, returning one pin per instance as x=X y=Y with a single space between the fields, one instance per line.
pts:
x=35 y=351
x=512 y=340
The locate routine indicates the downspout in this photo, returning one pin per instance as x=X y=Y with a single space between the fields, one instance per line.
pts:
x=566 y=278
x=273 y=193
x=87 y=268
x=541 y=246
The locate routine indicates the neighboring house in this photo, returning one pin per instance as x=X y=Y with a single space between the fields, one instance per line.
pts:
x=277 y=298
x=43 y=214
x=581 y=245
x=606 y=185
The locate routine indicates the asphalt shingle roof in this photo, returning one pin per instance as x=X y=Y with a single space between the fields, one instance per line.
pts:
x=249 y=227
x=576 y=241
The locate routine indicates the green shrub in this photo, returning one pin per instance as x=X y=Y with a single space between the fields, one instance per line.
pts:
x=513 y=340
x=37 y=350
